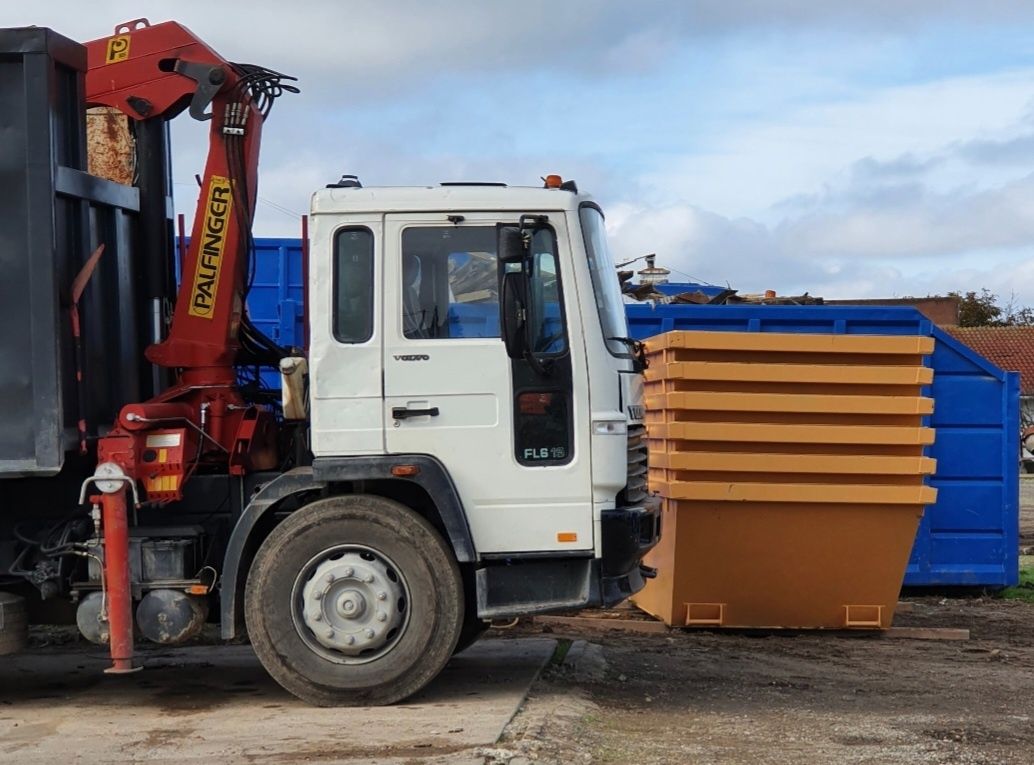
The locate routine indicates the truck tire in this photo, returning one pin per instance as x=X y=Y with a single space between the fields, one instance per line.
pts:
x=354 y=600
x=14 y=624
x=473 y=629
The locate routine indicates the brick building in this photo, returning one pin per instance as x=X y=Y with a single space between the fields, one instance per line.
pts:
x=943 y=311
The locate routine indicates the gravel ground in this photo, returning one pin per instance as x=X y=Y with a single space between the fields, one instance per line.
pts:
x=788 y=698
x=738 y=698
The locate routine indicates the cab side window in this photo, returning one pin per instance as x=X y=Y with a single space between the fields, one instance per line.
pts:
x=353 y=285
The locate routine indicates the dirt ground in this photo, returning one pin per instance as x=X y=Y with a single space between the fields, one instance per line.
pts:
x=215 y=704
x=788 y=698
x=705 y=697
x=727 y=698
x=679 y=697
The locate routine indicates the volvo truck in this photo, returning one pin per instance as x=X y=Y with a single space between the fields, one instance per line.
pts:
x=459 y=440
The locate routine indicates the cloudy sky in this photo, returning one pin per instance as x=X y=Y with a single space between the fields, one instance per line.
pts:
x=849 y=149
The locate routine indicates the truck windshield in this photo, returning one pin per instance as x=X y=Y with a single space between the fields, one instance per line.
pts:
x=604 y=280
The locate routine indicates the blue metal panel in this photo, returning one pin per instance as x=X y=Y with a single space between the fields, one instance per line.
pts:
x=971 y=535
x=275 y=300
x=646 y=320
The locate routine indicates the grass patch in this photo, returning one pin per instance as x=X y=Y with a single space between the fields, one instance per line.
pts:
x=1025 y=589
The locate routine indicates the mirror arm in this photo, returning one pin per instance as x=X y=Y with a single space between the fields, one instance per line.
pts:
x=537 y=366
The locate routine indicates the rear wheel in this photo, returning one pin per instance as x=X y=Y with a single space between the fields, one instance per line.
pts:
x=354 y=600
x=473 y=629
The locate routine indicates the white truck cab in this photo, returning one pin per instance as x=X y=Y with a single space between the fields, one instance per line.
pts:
x=407 y=355
x=476 y=432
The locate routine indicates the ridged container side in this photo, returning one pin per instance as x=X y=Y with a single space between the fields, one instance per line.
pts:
x=793 y=472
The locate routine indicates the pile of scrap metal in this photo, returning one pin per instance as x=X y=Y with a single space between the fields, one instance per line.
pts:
x=650 y=293
x=647 y=291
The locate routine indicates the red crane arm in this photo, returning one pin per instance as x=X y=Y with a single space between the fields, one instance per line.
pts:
x=154 y=72
x=157 y=71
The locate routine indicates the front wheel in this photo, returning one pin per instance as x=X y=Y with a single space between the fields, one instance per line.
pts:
x=354 y=600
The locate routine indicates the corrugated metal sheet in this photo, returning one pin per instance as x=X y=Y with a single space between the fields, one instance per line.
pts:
x=970 y=535
x=52 y=217
x=275 y=300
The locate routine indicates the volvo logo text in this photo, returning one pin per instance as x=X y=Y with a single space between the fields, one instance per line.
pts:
x=412 y=357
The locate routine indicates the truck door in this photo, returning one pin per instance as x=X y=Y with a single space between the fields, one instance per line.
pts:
x=511 y=440
x=346 y=337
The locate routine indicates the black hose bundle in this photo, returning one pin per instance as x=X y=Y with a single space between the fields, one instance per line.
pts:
x=259 y=87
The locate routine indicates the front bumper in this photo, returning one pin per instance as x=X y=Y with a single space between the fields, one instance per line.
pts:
x=627 y=534
x=518 y=586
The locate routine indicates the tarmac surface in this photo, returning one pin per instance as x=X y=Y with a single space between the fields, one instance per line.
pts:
x=216 y=704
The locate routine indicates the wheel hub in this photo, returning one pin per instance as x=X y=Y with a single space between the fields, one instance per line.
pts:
x=353 y=602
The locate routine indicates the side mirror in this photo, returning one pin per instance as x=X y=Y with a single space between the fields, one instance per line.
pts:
x=513 y=313
x=512 y=246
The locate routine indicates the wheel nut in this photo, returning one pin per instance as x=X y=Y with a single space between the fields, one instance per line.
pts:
x=318 y=595
x=348 y=571
x=382 y=595
x=317 y=617
x=330 y=633
x=381 y=616
x=368 y=578
x=350 y=640
x=329 y=578
x=369 y=633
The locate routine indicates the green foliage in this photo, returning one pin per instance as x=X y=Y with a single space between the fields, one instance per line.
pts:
x=984 y=310
x=1025 y=589
x=977 y=310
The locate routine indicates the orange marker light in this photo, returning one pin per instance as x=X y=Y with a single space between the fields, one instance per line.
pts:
x=567 y=536
x=403 y=471
x=553 y=181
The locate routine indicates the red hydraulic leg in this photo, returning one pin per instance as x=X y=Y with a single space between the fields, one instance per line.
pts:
x=115 y=522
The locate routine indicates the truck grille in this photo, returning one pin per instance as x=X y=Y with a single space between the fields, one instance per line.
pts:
x=635 y=491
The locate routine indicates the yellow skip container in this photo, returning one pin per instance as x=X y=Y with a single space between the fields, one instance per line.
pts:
x=792 y=470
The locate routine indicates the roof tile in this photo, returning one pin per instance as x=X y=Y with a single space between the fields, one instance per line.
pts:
x=1010 y=348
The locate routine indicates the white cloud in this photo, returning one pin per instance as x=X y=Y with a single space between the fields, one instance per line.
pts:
x=698 y=245
x=776 y=158
x=756 y=163
x=359 y=44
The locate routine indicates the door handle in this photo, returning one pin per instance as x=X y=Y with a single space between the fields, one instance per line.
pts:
x=401 y=413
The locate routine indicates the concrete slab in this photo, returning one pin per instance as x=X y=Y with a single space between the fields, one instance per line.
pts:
x=216 y=704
